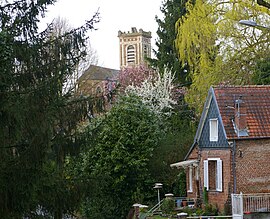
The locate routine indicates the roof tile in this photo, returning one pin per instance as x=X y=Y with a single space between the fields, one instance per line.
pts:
x=256 y=99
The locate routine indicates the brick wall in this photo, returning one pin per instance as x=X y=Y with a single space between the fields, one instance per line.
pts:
x=214 y=197
x=253 y=166
x=195 y=192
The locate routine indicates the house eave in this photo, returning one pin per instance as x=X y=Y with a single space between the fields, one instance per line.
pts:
x=184 y=164
x=248 y=138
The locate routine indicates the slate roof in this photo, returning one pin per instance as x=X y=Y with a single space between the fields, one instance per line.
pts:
x=99 y=73
x=257 y=103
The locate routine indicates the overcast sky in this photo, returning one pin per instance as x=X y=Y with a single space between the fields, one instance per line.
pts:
x=115 y=15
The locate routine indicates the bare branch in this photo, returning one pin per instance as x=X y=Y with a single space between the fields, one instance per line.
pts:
x=263 y=3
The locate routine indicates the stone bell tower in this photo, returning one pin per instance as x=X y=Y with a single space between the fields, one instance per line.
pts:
x=134 y=47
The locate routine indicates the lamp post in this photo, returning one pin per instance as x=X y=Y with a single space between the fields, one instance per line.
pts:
x=251 y=23
x=158 y=186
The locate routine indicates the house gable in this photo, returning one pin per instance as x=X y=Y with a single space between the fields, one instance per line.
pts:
x=205 y=139
x=211 y=113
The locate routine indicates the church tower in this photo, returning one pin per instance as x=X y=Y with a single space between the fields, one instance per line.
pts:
x=134 y=47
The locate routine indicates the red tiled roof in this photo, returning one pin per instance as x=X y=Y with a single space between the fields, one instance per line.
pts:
x=256 y=99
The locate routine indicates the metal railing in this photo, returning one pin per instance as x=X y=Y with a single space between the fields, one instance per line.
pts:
x=250 y=203
x=182 y=202
x=204 y=217
x=155 y=208
x=256 y=202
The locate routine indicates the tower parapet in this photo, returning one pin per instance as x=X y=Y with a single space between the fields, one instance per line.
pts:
x=135 y=46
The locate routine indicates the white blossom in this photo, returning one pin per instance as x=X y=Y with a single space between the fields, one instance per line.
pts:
x=157 y=94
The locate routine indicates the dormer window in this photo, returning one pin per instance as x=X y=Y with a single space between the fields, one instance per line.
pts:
x=213 y=124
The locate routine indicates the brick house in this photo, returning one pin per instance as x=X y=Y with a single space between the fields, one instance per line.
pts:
x=231 y=149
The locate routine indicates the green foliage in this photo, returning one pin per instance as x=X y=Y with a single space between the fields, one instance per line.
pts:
x=216 y=48
x=166 y=54
x=264 y=3
x=117 y=160
x=262 y=72
x=181 y=182
x=180 y=128
x=210 y=210
x=38 y=123
x=168 y=206
x=205 y=196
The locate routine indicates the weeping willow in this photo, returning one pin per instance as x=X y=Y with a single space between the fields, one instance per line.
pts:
x=218 y=49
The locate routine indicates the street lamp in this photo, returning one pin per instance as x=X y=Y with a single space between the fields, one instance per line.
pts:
x=158 y=186
x=251 y=23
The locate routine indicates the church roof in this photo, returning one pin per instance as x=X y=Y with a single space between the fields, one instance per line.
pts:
x=99 y=73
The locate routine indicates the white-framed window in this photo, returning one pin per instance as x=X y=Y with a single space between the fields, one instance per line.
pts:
x=190 y=173
x=213 y=132
x=213 y=174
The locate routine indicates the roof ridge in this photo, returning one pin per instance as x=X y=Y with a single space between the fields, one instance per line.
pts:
x=244 y=86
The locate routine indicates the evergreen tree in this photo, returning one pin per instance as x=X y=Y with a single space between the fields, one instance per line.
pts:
x=166 y=54
x=38 y=123
x=262 y=72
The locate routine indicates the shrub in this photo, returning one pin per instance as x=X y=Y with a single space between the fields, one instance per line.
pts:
x=168 y=206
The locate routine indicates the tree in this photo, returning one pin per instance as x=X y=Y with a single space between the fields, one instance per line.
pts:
x=155 y=94
x=264 y=3
x=117 y=160
x=60 y=26
x=216 y=48
x=165 y=100
x=36 y=117
x=262 y=72
x=135 y=76
x=166 y=54
x=173 y=147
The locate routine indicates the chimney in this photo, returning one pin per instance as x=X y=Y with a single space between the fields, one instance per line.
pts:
x=240 y=114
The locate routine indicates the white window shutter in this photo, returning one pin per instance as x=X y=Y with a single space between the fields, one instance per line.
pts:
x=190 y=180
x=219 y=175
x=205 y=174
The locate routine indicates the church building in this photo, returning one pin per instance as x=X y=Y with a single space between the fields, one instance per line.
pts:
x=135 y=46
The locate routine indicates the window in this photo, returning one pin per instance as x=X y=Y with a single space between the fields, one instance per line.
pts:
x=213 y=174
x=98 y=90
x=213 y=129
x=145 y=50
x=190 y=188
x=131 y=54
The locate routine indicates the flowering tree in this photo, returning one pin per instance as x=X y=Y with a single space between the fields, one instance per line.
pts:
x=155 y=94
x=135 y=76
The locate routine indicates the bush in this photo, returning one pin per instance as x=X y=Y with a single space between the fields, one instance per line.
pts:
x=168 y=206
x=210 y=210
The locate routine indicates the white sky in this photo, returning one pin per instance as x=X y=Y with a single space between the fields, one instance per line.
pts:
x=115 y=15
